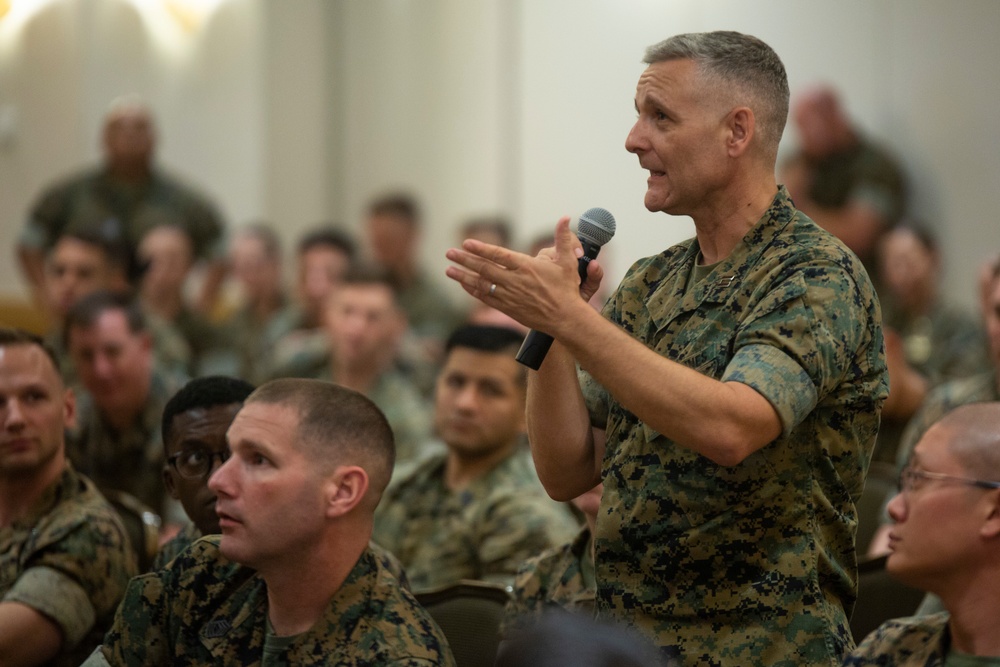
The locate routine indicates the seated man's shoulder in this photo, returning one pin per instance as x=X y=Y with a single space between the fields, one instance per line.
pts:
x=83 y=519
x=900 y=639
x=390 y=626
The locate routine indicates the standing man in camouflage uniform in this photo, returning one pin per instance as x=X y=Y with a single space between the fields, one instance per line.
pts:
x=739 y=376
x=477 y=510
x=946 y=540
x=64 y=556
x=292 y=580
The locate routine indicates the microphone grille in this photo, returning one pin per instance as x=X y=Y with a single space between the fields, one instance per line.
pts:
x=597 y=225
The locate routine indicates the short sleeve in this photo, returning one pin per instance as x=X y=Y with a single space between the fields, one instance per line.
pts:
x=59 y=598
x=801 y=340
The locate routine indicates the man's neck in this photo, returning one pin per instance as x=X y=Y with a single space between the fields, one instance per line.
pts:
x=298 y=593
x=19 y=494
x=461 y=470
x=723 y=224
x=972 y=623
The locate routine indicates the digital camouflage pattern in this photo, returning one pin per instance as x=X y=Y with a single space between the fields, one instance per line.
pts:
x=93 y=201
x=69 y=559
x=185 y=537
x=206 y=610
x=752 y=564
x=562 y=577
x=429 y=309
x=920 y=641
x=130 y=461
x=246 y=345
x=483 y=532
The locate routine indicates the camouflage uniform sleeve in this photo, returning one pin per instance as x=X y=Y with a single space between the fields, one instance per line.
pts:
x=139 y=633
x=796 y=347
x=46 y=220
x=518 y=527
x=527 y=599
x=78 y=575
x=904 y=642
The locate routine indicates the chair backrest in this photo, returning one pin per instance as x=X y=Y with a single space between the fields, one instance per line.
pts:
x=469 y=614
x=880 y=598
x=141 y=523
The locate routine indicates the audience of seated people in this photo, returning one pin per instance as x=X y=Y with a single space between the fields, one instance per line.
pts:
x=475 y=510
x=466 y=507
x=116 y=437
x=291 y=580
x=121 y=199
x=65 y=559
x=945 y=539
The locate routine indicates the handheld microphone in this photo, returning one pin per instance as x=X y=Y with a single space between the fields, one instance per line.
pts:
x=596 y=227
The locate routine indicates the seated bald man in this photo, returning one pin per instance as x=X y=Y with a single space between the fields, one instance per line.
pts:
x=946 y=540
x=291 y=580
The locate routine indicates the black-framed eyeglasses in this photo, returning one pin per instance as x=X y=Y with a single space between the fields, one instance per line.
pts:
x=910 y=475
x=196 y=463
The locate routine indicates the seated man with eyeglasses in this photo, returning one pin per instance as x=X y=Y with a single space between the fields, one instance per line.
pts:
x=946 y=540
x=194 y=425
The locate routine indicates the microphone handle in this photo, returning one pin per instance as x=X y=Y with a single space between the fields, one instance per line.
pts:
x=536 y=344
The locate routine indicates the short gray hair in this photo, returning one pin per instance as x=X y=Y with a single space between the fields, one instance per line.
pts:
x=750 y=68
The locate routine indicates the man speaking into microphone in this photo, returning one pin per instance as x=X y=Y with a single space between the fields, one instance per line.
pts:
x=739 y=377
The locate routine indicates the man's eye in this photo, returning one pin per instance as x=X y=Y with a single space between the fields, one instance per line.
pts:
x=194 y=457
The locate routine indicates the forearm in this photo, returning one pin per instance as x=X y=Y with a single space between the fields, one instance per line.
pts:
x=559 y=428
x=26 y=636
x=724 y=421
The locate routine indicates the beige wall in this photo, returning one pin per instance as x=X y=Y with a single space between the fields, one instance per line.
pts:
x=300 y=111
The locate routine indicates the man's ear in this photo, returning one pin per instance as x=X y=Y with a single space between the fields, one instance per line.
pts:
x=991 y=526
x=168 y=481
x=742 y=126
x=346 y=488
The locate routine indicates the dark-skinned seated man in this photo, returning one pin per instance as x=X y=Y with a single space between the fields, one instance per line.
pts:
x=291 y=580
x=195 y=421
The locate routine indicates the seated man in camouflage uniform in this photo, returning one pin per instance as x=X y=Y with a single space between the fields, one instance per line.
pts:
x=946 y=540
x=476 y=510
x=194 y=425
x=365 y=327
x=291 y=580
x=116 y=441
x=562 y=577
x=64 y=556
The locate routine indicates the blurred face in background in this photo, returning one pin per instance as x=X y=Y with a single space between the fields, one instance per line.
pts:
x=321 y=270
x=113 y=362
x=258 y=274
x=909 y=269
x=75 y=269
x=129 y=138
x=392 y=239
x=992 y=320
x=169 y=255
x=365 y=325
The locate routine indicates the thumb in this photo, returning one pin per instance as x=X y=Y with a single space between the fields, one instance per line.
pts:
x=567 y=245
